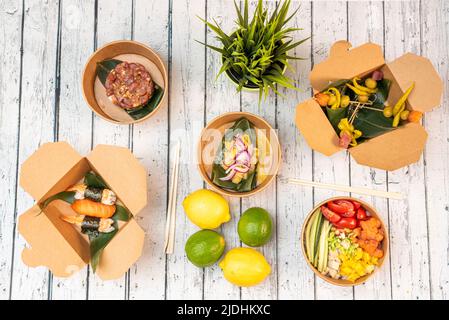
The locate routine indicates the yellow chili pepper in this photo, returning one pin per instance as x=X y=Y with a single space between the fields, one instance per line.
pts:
x=345 y=125
x=357 y=134
x=397 y=116
x=337 y=94
x=367 y=90
x=402 y=100
x=356 y=91
x=348 y=128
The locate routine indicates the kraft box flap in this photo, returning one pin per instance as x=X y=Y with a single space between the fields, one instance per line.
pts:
x=119 y=255
x=45 y=167
x=410 y=68
x=316 y=128
x=392 y=150
x=123 y=173
x=59 y=245
x=346 y=63
x=49 y=247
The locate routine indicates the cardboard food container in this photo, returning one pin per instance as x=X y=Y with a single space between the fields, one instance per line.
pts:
x=342 y=282
x=111 y=50
x=56 y=244
x=211 y=139
x=389 y=151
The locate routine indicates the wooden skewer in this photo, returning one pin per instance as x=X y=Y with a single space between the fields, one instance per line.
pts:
x=171 y=211
x=358 y=190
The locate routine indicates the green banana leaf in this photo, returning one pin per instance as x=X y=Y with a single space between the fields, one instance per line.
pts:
x=240 y=126
x=106 y=66
x=121 y=213
x=67 y=196
x=381 y=96
x=372 y=123
x=335 y=115
x=94 y=181
x=339 y=84
x=149 y=107
x=99 y=241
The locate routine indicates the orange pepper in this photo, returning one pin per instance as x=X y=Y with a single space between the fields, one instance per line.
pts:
x=414 y=116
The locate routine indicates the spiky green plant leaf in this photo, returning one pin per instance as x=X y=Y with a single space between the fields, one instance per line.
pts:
x=255 y=55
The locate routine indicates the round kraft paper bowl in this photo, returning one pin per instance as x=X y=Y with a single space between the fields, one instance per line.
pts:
x=211 y=138
x=341 y=282
x=109 y=51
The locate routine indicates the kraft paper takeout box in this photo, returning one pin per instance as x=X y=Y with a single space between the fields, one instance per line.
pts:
x=389 y=151
x=57 y=244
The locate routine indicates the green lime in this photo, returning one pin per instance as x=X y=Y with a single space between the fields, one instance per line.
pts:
x=204 y=248
x=254 y=227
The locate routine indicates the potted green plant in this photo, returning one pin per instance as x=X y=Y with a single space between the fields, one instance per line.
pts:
x=255 y=55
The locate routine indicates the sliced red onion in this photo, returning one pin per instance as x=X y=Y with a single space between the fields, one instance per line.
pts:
x=230 y=175
x=243 y=157
x=228 y=163
x=239 y=144
x=240 y=168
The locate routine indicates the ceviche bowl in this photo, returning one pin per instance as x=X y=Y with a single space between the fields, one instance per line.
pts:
x=133 y=53
x=355 y=241
x=250 y=148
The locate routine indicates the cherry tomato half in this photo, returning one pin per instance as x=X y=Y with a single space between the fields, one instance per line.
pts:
x=361 y=214
x=356 y=204
x=330 y=215
x=349 y=223
x=343 y=207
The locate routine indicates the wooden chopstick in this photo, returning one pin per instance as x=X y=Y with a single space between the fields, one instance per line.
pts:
x=171 y=245
x=171 y=211
x=358 y=190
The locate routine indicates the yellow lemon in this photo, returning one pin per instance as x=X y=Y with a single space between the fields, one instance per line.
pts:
x=245 y=267
x=206 y=209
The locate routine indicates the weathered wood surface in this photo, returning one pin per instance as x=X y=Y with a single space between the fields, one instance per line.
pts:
x=43 y=48
x=75 y=125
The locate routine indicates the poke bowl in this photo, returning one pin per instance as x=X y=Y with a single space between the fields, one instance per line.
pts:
x=238 y=154
x=344 y=241
x=125 y=82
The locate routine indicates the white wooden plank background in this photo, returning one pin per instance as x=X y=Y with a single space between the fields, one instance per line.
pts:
x=43 y=48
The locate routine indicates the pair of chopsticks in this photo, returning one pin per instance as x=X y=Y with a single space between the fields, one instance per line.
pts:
x=171 y=211
x=358 y=190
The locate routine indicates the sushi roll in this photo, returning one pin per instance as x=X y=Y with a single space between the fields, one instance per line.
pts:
x=91 y=224
x=105 y=196
x=93 y=209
